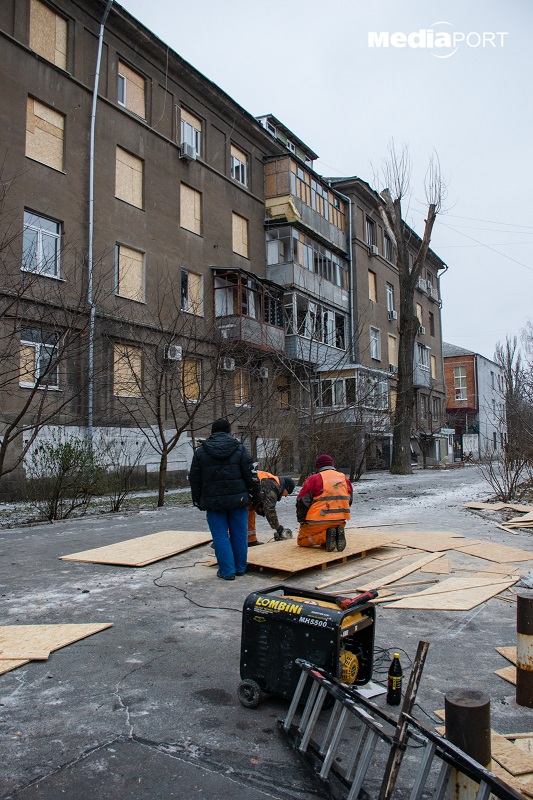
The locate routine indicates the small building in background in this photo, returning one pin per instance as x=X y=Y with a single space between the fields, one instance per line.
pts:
x=475 y=402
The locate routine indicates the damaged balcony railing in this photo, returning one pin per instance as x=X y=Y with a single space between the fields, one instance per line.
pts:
x=352 y=745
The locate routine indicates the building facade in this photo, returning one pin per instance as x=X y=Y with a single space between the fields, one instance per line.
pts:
x=475 y=403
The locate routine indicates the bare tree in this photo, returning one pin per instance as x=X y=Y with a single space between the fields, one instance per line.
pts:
x=396 y=177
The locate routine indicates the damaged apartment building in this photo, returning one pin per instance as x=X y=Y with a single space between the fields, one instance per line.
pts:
x=172 y=258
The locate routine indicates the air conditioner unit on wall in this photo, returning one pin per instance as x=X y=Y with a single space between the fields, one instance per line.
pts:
x=263 y=372
x=187 y=151
x=421 y=330
x=393 y=368
x=422 y=285
x=373 y=250
x=393 y=315
x=173 y=352
x=226 y=364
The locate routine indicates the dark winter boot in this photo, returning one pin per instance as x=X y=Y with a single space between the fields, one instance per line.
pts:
x=341 y=539
x=331 y=540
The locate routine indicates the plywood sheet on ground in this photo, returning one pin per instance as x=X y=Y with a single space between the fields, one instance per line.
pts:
x=500 y=553
x=522 y=784
x=520 y=507
x=455 y=594
x=288 y=557
x=18 y=642
x=507 y=673
x=510 y=654
x=526 y=745
x=510 y=757
x=488 y=506
x=431 y=541
x=400 y=573
x=143 y=550
x=440 y=567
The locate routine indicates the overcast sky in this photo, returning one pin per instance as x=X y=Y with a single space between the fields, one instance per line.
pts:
x=309 y=63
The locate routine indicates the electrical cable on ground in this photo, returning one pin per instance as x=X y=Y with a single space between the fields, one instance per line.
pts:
x=185 y=591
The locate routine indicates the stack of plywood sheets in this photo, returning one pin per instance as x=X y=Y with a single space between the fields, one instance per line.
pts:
x=287 y=556
x=143 y=550
x=20 y=644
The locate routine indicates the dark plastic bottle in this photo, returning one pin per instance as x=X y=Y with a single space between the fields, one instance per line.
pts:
x=394 y=681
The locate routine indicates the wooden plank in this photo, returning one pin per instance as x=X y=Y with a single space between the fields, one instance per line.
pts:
x=523 y=784
x=507 y=530
x=508 y=756
x=401 y=573
x=488 y=506
x=498 y=569
x=431 y=541
x=25 y=639
x=510 y=654
x=526 y=745
x=142 y=550
x=507 y=673
x=528 y=735
x=461 y=598
x=358 y=574
x=440 y=567
x=500 y=553
x=6 y=665
x=27 y=652
x=287 y=556
x=520 y=507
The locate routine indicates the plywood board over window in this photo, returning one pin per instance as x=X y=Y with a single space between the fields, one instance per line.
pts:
x=190 y=209
x=240 y=235
x=44 y=134
x=129 y=178
x=130 y=273
x=48 y=34
x=127 y=364
x=133 y=93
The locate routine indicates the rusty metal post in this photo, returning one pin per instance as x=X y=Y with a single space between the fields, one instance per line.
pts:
x=524 y=649
x=468 y=727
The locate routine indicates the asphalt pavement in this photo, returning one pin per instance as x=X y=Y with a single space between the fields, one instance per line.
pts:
x=148 y=708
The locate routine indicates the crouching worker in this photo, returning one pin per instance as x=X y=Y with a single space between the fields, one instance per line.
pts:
x=272 y=490
x=323 y=506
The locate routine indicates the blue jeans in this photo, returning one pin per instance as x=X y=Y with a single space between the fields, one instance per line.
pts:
x=229 y=530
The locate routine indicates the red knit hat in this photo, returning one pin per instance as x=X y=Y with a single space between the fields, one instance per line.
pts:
x=323 y=461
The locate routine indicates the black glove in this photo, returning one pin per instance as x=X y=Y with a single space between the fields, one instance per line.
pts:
x=259 y=509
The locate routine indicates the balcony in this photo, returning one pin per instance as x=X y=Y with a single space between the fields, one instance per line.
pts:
x=313 y=352
x=255 y=333
x=293 y=275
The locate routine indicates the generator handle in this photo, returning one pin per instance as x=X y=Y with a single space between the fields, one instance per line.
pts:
x=310 y=593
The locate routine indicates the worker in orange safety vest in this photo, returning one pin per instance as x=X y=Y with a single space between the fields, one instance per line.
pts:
x=272 y=490
x=323 y=506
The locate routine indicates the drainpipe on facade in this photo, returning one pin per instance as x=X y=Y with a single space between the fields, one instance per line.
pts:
x=90 y=300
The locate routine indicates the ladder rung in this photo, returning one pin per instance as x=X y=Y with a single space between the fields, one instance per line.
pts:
x=442 y=781
x=423 y=772
x=332 y=720
x=363 y=765
x=295 y=701
x=350 y=766
x=330 y=755
x=308 y=706
x=483 y=793
x=317 y=708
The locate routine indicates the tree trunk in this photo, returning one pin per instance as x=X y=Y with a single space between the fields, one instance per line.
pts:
x=163 y=464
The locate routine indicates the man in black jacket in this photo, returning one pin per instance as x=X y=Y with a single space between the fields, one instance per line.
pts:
x=223 y=482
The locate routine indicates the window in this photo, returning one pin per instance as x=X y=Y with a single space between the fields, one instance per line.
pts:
x=39 y=358
x=435 y=403
x=131 y=92
x=340 y=331
x=130 y=273
x=372 y=286
x=375 y=344
x=423 y=406
x=127 y=370
x=191 y=376
x=239 y=166
x=191 y=131
x=129 y=178
x=190 y=209
x=390 y=297
x=423 y=356
x=44 y=134
x=389 y=248
x=290 y=146
x=48 y=34
x=393 y=399
x=419 y=313
x=41 y=245
x=191 y=292
x=492 y=380
x=433 y=367
x=241 y=387
x=393 y=351
x=494 y=440
x=459 y=382
x=283 y=393
x=370 y=232
x=240 y=234
x=431 y=318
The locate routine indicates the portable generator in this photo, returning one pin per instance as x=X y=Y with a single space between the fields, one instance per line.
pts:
x=283 y=623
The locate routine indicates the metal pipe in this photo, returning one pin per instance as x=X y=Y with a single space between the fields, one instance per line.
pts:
x=524 y=649
x=467 y=727
x=90 y=297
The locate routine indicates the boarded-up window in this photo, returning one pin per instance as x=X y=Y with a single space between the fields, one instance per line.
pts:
x=372 y=286
x=433 y=366
x=239 y=165
x=130 y=273
x=191 y=292
x=127 y=370
x=131 y=90
x=48 y=34
x=39 y=359
x=393 y=354
x=419 y=312
x=191 y=370
x=129 y=178
x=190 y=209
x=283 y=392
x=44 y=134
x=28 y=364
x=242 y=387
x=393 y=397
x=240 y=235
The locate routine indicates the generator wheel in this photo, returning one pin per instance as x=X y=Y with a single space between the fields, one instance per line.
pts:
x=249 y=693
